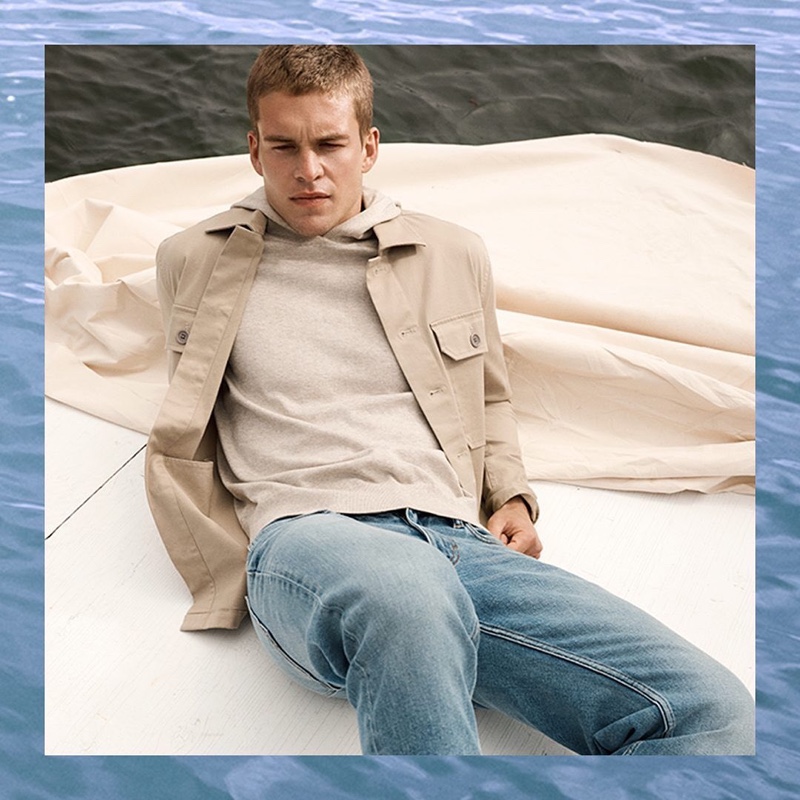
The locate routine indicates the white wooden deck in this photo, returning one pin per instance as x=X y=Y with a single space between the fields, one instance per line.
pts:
x=122 y=679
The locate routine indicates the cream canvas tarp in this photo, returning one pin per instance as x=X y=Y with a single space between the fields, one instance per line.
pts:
x=625 y=289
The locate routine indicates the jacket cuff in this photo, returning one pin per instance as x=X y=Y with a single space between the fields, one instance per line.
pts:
x=524 y=493
x=227 y=618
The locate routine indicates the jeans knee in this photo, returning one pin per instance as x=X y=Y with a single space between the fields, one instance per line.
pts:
x=731 y=709
x=718 y=711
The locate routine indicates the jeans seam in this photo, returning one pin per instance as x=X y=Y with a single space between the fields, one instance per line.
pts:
x=282 y=576
x=658 y=700
x=629 y=751
x=454 y=557
x=335 y=609
x=318 y=602
x=367 y=713
x=475 y=633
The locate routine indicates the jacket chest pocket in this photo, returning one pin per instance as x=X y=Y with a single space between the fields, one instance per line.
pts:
x=462 y=342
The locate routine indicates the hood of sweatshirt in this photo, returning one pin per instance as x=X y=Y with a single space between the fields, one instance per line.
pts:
x=377 y=208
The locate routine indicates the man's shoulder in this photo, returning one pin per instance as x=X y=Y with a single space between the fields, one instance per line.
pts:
x=428 y=222
x=202 y=234
x=435 y=231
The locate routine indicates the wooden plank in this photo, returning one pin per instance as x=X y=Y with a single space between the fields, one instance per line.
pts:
x=81 y=453
x=121 y=678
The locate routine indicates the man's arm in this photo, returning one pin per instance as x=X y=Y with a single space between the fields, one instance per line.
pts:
x=510 y=505
x=169 y=263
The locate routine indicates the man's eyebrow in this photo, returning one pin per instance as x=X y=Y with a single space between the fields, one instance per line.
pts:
x=326 y=137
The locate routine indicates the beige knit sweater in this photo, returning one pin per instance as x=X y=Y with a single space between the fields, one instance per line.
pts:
x=314 y=412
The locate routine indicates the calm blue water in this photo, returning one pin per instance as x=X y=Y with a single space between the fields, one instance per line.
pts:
x=775 y=29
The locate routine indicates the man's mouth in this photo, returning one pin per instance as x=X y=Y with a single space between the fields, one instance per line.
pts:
x=309 y=198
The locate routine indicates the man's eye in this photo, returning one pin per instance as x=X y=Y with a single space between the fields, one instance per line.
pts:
x=283 y=147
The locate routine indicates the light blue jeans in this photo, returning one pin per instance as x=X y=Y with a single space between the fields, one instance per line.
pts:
x=414 y=618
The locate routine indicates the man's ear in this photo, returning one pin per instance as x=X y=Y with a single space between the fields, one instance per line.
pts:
x=370 y=149
x=252 y=144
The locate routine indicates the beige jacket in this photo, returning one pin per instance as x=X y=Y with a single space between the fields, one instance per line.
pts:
x=431 y=285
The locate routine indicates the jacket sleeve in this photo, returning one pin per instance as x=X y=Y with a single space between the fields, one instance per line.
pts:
x=192 y=510
x=169 y=265
x=504 y=471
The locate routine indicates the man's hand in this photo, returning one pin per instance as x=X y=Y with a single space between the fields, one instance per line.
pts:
x=512 y=525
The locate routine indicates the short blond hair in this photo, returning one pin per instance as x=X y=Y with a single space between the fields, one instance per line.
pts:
x=305 y=69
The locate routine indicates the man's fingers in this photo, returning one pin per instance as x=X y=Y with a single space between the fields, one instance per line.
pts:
x=494 y=527
x=527 y=544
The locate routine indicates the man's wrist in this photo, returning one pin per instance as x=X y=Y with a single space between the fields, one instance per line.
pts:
x=517 y=502
x=531 y=508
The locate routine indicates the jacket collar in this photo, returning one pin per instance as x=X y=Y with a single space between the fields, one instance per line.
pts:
x=252 y=219
x=395 y=232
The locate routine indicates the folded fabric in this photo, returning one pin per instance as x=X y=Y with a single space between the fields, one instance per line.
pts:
x=625 y=283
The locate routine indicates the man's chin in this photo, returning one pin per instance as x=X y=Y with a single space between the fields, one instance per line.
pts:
x=311 y=224
x=311 y=227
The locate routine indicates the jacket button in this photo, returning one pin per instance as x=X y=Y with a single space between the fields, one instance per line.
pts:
x=181 y=337
x=475 y=340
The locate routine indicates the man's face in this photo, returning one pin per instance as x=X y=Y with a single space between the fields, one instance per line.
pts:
x=312 y=159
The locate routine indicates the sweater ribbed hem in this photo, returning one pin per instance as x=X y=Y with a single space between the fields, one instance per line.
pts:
x=463 y=509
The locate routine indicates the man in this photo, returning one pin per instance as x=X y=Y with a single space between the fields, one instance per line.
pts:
x=337 y=432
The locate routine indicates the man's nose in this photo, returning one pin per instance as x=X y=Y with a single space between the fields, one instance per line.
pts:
x=308 y=167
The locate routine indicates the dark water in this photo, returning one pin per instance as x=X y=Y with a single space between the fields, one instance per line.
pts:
x=112 y=106
x=774 y=27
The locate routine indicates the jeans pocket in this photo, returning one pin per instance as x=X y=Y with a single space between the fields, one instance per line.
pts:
x=294 y=670
x=481 y=533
